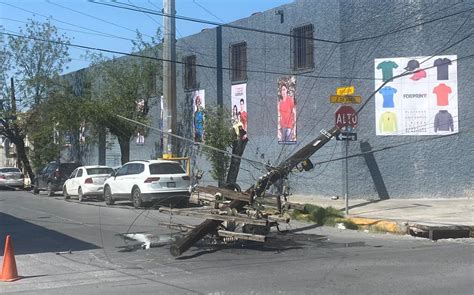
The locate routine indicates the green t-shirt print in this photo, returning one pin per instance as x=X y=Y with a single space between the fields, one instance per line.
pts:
x=387 y=69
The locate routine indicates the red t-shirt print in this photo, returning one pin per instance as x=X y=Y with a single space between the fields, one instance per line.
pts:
x=442 y=91
x=286 y=107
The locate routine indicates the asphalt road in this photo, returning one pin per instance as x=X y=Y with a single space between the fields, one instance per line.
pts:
x=305 y=260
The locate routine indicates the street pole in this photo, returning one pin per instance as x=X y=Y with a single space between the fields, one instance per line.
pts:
x=169 y=77
x=219 y=79
x=346 y=182
x=13 y=115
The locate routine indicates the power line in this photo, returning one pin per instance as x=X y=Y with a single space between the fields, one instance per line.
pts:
x=71 y=30
x=395 y=146
x=150 y=11
x=196 y=144
x=208 y=11
x=60 y=21
x=410 y=72
x=94 y=17
x=178 y=62
x=401 y=24
x=329 y=107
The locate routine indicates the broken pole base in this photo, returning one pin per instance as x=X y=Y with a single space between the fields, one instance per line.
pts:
x=196 y=234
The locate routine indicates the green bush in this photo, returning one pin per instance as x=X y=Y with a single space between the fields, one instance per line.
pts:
x=318 y=215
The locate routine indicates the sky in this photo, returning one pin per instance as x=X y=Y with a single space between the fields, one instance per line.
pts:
x=100 y=26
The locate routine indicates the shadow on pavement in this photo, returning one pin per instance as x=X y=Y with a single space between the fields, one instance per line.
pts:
x=276 y=243
x=29 y=238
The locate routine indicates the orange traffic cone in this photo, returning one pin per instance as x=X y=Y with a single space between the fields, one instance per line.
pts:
x=9 y=272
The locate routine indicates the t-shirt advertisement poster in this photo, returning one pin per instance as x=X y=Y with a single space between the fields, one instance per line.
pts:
x=239 y=107
x=425 y=102
x=286 y=110
x=199 y=104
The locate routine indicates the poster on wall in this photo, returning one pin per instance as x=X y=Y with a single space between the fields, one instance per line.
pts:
x=239 y=109
x=425 y=102
x=286 y=110
x=199 y=104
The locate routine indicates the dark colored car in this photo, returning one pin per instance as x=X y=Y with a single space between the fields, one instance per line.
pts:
x=52 y=177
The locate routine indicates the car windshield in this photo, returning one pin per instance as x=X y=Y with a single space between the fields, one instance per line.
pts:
x=166 y=168
x=101 y=170
x=7 y=170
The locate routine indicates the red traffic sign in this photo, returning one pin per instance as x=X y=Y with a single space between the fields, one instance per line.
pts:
x=346 y=117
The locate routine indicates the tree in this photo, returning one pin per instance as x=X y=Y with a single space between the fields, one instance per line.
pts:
x=56 y=122
x=125 y=86
x=35 y=59
x=218 y=134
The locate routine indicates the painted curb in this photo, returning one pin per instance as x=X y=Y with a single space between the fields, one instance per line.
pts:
x=380 y=225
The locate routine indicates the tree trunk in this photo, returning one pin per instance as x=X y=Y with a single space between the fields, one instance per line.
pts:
x=124 y=142
x=238 y=148
x=221 y=168
x=21 y=154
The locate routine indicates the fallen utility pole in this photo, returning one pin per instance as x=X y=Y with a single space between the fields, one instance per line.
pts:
x=301 y=157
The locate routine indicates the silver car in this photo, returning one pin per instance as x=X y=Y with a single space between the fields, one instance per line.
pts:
x=11 y=177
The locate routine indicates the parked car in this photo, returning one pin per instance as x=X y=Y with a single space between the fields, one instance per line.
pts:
x=87 y=181
x=11 y=177
x=52 y=177
x=148 y=182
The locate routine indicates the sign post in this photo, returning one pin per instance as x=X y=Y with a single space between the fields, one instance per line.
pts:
x=346 y=119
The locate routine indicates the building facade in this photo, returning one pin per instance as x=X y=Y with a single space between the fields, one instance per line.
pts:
x=414 y=134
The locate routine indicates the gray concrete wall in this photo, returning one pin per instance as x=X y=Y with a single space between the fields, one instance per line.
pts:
x=433 y=168
x=436 y=168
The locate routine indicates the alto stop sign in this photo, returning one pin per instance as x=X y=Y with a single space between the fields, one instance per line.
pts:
x=346 y=116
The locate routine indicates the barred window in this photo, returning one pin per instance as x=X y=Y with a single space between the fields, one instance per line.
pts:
x=302 y=45
x=190 y=81
x=238 y=61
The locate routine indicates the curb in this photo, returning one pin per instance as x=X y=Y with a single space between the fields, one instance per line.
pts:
x=429 y=231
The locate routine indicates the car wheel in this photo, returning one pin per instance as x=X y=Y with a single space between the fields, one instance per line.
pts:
x=80 y=195
x=137 y=198
x=36 y=188
x=65 y=194
x=109 y=200
x=50 y=190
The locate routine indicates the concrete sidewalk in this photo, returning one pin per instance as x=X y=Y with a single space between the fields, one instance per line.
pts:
x=431 y=218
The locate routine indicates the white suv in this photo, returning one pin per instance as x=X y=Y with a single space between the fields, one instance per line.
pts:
x=147 y=182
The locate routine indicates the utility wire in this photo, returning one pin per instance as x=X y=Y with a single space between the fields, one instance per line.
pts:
x=75 y=31
x=150 y=11
x=411 y=72
x=400 y=25
x=95 y=17
x=395 y=146
x=60 y=21
x=196 y=144
x=177 y=62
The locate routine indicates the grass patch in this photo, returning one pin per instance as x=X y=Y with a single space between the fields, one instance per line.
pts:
x=329 y=216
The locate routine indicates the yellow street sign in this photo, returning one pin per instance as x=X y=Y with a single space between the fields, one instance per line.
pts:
x=348 y=90
x=345 y=99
